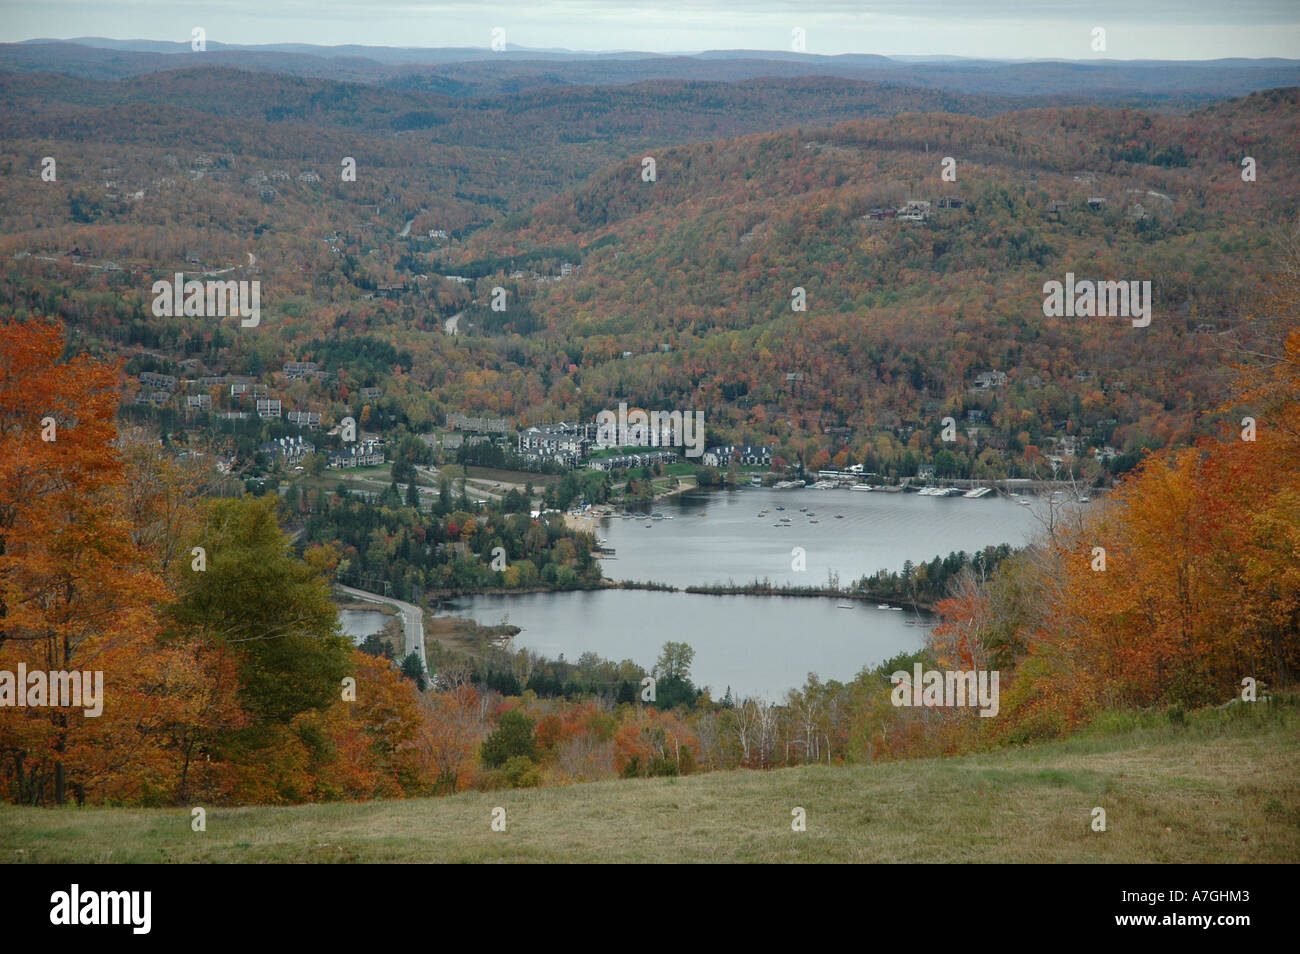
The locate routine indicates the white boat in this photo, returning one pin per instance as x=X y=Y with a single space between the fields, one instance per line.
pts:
x=883 y=606
x=844 y=606
x=866 y=487
x=977 y=492
x=896 y=609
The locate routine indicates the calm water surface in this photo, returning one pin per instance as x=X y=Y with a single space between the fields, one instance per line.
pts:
x=757 y=645
x=358 y=624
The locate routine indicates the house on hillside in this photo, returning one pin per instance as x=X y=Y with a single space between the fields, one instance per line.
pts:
x=916 y=210
x=564 y=443
x=989 y=380
x=298 y=369
x=153 y=380
x=287 y=451
x=485 y=425
x=750 y=455
x=368 y=453
x=308 y=419
x=629 y=461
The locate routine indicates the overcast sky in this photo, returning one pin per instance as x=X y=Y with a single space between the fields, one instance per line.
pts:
x=1016 y=29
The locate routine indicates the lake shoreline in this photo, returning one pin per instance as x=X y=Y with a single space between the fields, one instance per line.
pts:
x=760 y=589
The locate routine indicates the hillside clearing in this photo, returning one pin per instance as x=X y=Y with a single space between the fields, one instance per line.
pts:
x=1217 y=791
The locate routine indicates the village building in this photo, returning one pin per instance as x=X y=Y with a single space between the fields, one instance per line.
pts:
x=308 y=419
x=915 y=210
x=287 y=451
x=989 y=380
x=153 y=380
x=627 y=461
x=298 y=369
x=484 y=425
x=368 y=453
x=564 y=442
x=751 y=455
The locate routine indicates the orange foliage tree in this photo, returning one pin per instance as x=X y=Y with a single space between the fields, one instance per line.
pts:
x=73 y=594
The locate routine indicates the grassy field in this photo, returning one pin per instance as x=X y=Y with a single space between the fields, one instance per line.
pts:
x=520 y=477
x=1224 y=788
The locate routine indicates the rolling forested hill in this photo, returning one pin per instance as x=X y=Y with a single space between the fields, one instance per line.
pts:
x=902 y=316
x=219 y=170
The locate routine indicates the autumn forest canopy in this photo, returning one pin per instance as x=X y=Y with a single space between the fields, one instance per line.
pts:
x=156 y=532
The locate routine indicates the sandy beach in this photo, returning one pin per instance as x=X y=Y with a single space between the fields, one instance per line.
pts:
x=582 y=524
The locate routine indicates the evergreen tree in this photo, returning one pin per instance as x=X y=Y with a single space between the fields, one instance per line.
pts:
x=513 y=737
x=413 y=671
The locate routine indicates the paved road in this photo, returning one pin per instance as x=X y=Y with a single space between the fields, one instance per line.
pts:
x=412 y=619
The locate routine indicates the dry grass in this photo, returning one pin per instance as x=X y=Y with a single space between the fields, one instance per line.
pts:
x=1225 y=788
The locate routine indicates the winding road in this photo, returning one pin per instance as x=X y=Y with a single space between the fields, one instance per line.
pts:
x=412 y=619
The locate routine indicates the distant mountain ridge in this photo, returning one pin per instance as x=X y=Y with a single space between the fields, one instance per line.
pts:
x=471 y=71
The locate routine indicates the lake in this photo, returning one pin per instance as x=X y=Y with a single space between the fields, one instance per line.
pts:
x=358 y=624
x=757 y=645
x=717 y=536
